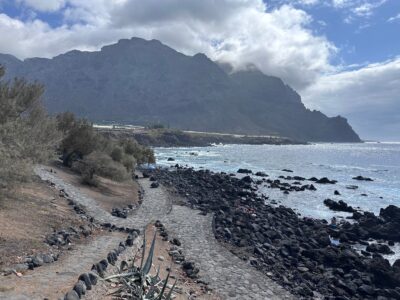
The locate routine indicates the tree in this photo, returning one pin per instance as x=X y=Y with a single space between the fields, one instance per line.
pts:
x=27 y=135
x=65 y=121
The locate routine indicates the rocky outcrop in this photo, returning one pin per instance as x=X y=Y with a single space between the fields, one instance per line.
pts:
x=338 y=206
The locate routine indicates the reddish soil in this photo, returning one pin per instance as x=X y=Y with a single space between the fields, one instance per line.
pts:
x=108 y=194
x=26 y=216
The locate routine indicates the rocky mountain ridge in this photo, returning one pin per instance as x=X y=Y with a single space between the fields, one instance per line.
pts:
x=144 y=82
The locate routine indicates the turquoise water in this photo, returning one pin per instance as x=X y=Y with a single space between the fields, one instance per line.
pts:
x=380 y=161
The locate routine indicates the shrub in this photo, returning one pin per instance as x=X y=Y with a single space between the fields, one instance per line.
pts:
x=109 y=157
x=27 y=135
x=98 y=163
x=141 y=153
x=80 y=141
x=117 y=154
x=129 y=162
x=66 y=121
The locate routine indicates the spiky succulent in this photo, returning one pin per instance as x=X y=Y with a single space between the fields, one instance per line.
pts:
x=136 y=283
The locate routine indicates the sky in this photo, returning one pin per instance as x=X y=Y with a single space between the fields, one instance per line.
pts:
x=341 y=56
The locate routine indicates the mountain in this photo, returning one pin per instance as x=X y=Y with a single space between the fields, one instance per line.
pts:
x=142 y=82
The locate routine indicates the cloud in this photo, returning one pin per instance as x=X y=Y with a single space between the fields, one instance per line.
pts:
x=395 y=18
x=354 y=10
x=43 y=5
x=278 y=40
x=369 y=96
x=367 y=9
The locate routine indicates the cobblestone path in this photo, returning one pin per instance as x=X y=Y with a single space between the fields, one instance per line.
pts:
x=53 y=280
x=229 y=276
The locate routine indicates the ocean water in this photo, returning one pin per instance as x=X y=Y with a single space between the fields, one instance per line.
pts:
x=342 y=162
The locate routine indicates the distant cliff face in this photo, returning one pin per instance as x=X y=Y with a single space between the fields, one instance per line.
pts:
x=142 y=82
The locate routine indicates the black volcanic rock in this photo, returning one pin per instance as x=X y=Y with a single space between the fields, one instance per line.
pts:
x=338 y=206
x=141 y=82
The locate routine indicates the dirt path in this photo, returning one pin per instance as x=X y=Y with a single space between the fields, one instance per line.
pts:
x=152 y=208
x=52 y=281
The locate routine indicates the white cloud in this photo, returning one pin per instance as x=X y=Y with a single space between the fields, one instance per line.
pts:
x=369 y=96
x=43 y=5
x=367 y=9
x=239 y=31
x=395 y=18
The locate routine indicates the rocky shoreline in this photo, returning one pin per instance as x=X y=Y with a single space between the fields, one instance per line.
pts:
x=179 y=138
x=309 y=257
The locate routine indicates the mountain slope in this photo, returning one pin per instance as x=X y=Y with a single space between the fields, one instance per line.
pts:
x=141 y=82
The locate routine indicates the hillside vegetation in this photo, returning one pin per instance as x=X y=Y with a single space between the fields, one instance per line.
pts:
x=29 y=136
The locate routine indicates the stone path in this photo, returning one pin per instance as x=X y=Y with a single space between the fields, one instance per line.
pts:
x=229 y=276
x=52 y=281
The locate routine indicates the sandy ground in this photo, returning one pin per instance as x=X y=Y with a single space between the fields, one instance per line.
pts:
x=26 y=216
x=109 y=194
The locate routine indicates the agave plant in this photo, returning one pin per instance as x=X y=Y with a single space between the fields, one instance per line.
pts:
x=137 y=283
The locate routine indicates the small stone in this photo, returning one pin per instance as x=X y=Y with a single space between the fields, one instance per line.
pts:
x=86 y=279
x=80 y=288
x=72 y=295
x=37 y=261
x=303 y=269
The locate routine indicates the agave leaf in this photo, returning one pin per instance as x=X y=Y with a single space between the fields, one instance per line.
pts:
x=171 y=290
x=144 y=250
x=163 y=288
x=121 y=275
x=158 y=272
x=149 y=260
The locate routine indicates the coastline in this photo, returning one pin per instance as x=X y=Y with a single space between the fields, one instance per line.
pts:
x=298 y=253
x=178 y=138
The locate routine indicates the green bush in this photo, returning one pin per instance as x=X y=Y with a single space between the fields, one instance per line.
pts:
x=27 y=135
x=101 y=164
x=129 y=162
x=117 y=154
x=89 y=152
x=66 y=121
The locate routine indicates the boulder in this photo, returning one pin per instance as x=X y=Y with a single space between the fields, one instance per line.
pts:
x=154 y=185
x=379 y=248
x=390 y=213
x=325 y=180
x=338 y=206
x=361 y=178
x=244 y=171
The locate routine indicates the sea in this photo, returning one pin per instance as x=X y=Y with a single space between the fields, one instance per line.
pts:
x=341 y=162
